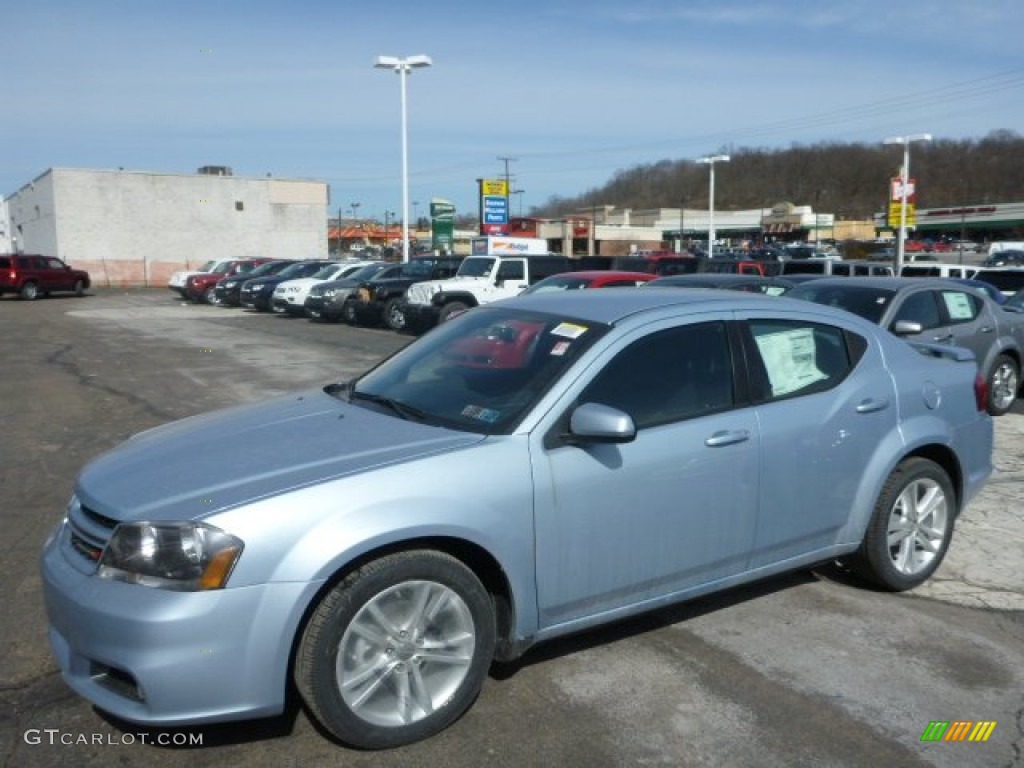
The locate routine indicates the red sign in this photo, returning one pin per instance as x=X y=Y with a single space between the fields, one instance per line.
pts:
x=897 y=190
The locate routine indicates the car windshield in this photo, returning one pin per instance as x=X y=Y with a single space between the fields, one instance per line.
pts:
x=559 y=283
x=267 y=268
x=302 y=269
x=1016 y=301
x=479 y=372
x=867 y=301
x=367 y=272
x=223 y=268
x=331 y=270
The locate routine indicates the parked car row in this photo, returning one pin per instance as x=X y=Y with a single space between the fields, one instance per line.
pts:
x=955 y=310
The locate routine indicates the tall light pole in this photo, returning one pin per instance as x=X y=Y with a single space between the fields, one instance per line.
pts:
x=402 y=67
x=906 y=141
x=710 y=161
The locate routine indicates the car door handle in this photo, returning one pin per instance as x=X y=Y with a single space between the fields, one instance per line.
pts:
x=727 y=438
x=871 y=405
x=986 y=329
x=940 y=339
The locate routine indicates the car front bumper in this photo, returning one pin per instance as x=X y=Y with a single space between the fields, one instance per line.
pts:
x=160 y=657
x=420 y=317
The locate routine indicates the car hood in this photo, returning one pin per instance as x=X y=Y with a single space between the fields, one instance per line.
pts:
x=198 y=466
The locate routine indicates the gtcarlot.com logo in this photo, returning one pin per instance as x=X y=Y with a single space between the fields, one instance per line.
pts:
x=54 y=736
x=958 y=730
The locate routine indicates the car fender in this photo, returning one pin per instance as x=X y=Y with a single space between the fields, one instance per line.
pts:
x=334 y=524
x=446 y=297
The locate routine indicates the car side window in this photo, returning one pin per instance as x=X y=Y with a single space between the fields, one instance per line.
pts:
x=920 y=308
x=54 y=264
x=511 y=270
x=668 y=376
x=795 y=358
x=960 y=306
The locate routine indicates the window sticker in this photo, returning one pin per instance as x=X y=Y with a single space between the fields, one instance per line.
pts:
x=481 y=414
x=560 y=348
x=958 y=306
x=789 y=358
x=569 y=330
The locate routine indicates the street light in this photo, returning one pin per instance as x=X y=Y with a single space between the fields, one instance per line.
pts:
x=710 y=161
x=904 y=181
x=402 y=67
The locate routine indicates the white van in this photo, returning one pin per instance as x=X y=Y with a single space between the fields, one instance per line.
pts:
x=1005 y=245
x=837 y=268
x=934 y=269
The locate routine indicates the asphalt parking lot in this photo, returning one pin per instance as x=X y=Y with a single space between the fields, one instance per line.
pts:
x=809 y=669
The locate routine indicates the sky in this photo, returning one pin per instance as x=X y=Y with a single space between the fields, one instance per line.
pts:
x=561 y=95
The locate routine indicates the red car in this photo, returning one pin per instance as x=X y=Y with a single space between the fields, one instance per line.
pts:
x=201 y=287
x=598 y=278
x=31 y=276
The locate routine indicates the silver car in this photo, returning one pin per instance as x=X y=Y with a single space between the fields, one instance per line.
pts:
x=939 y=311
x=535 y=467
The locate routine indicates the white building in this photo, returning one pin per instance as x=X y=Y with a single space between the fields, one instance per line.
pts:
x=136 y=228
x=6 y=245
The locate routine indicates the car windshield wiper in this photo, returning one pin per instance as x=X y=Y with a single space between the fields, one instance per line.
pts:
x=407 y=412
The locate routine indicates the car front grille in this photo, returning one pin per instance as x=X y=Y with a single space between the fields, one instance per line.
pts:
x=90 y=531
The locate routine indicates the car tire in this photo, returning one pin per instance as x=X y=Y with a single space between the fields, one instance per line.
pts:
x=29 y=291
x=451 y=309
x=210 y=297
x=1003 y=384
x=910 y=528
x=394 y=318
x=348 y=312
x=79 y=288
x=397 y=650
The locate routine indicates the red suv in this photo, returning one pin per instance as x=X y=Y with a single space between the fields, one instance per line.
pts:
x=31 y=276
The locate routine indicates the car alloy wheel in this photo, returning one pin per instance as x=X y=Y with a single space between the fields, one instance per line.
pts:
x=397 y=650
x=29 y=291
x=1003 y=383
x=348 y=312
x=393 y=316
x=910 y=527
x=79 y=288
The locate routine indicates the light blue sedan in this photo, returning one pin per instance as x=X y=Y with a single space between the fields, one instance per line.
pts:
x=533 y=468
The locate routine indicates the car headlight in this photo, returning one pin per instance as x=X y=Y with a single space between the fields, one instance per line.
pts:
x=292 y=289
x=329 y=293
x=185 y=557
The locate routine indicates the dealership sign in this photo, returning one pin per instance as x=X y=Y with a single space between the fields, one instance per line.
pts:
x=493 y=206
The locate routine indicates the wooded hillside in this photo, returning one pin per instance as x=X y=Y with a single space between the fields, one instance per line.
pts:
x=849 y=180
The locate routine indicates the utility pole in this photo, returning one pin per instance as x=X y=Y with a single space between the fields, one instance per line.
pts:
x=508 y=176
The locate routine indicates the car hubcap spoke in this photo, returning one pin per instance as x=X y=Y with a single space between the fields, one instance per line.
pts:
x=405 y=653
x=917 y=526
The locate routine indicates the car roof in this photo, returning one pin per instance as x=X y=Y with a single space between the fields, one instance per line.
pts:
x=597 y=274
x=610 y=307
x=882 y=281
x=715 y=277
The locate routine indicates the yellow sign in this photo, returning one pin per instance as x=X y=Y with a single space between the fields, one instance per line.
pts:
x=494 y=187
x=894 y=215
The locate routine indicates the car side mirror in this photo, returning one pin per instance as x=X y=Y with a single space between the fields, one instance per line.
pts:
x=907 y=328
x=597 y=423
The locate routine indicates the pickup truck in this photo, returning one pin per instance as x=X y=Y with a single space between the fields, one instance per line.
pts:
x=379 y=299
